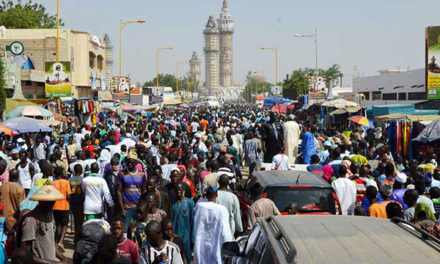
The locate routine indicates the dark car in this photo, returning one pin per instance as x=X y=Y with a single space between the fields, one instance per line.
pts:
x=311 y=193
x=333 y=239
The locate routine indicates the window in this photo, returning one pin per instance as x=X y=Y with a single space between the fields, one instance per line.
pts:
x=377 y=96
x=417 y=96
x=389 y=96
x=252 y=240
x=402 y=96
x=367 y=95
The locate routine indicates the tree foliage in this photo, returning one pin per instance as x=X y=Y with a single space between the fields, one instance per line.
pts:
x=168 y=80
x=256 y=86
x=26 y=15
x=298 y=81
x=2 y=88
x=297 y=84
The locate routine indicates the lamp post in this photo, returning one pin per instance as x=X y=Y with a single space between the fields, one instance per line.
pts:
x=122 y=25
x=158 y=50
x=315 y=37
x=58 y=30
x=177 y=73
x=275 y=50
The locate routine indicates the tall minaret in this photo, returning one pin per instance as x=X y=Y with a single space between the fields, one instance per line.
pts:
x=108 y=61
x=194 y=71
x=211 y=57
x=226 y=29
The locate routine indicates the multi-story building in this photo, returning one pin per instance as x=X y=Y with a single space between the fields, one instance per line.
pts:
x=86 y=53
x=391 y=87
x=211 y=57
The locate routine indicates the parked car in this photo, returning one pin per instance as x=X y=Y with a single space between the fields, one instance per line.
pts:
x=311 y=193
x=333 y=239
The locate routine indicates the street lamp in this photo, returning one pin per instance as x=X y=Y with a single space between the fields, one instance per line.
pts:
x=58 y=30
x=275 y=50
x=177 y=73
x=315 y=37
x=122 y=25
x=158 y=50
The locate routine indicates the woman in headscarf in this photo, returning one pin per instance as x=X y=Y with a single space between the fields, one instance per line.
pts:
x=328 y=172
x=347 y=164
x=182 y=169
x=425 y=219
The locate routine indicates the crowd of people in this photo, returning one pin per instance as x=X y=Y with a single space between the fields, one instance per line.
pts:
x=168 y=187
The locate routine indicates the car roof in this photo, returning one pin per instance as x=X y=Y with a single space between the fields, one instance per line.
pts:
x=288 y=178
x=349 y=239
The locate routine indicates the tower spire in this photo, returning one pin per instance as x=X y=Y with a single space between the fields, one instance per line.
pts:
x=225 y=4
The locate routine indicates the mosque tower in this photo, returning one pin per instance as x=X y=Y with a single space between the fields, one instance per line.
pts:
x=194 y=72
x=226 y=32
x=211 y=57
x=108 y=61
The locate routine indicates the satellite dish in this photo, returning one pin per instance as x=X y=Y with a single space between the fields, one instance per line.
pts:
x=3 y=31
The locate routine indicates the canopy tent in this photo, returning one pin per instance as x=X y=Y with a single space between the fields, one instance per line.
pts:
x=340 y=111
x=430 y=133
x=340 y=103
x=26 y=125
x=398 y=116
x=51 y=122
x=276 y=100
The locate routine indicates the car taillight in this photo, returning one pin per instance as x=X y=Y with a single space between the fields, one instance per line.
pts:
x=300 y=186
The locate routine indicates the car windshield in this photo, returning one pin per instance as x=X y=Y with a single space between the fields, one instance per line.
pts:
x=307 y=199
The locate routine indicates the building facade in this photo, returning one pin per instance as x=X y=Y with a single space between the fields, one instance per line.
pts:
x=211 y=57
x=391 y=87
x=226 y=30
x=194 y=71
x=85 y=52
x=108 y=61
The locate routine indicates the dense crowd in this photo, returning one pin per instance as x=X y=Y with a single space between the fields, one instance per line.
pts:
x=167 y=187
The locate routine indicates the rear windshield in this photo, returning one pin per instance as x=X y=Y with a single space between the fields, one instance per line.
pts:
x=307 y=200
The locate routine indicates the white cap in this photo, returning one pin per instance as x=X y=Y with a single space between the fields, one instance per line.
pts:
x=128 y=135
x=401 y=177
x=20 y=140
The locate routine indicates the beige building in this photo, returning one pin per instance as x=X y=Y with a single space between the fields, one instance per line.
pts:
x=194 y=72
x=86 y=53
x=211 y=57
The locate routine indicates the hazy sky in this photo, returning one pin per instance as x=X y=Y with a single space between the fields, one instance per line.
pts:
x=374 y=34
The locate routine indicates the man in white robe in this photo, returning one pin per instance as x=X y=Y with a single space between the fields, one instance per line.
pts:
x=291 y=139
x=211 y=229
x=345 y=190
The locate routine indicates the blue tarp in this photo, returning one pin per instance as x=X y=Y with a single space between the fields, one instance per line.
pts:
x=276 y=100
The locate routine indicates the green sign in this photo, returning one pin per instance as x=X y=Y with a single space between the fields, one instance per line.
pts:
x=16 y=48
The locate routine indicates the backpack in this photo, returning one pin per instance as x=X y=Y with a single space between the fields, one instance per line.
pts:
x=87 y=245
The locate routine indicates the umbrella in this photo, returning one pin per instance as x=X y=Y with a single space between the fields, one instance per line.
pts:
x=29 y=110
x=26 y=125
x=430 y=133
x=8 y=131
x=361 y=120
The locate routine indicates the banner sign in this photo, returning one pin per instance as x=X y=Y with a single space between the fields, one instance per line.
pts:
x=432 y=63
x=157 y=93
x=57 y=78
x=277 y=90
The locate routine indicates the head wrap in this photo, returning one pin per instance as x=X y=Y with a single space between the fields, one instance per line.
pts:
x=424 y=207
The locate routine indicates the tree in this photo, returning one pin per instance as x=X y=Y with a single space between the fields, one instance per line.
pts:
x=2 y=88
x=256 y=86
x=167 y=80
x=333 y=73
x=297 y=84
x=28 y=15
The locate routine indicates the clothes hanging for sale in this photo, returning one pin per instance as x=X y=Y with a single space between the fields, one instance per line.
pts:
x=400 y=135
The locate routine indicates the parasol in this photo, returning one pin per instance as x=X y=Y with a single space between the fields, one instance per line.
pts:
x=361 y=120
x=26 y=125
x=29 y=110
